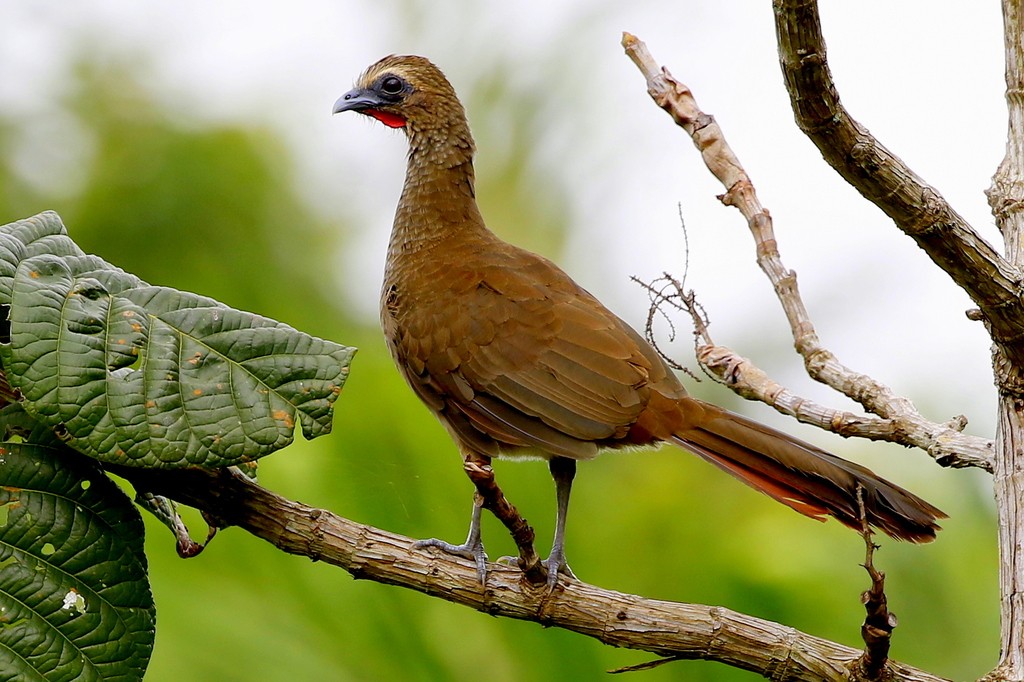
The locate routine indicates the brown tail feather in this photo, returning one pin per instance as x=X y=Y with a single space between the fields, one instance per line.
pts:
x=805 y=478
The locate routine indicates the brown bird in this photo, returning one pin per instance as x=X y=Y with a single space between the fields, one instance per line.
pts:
x=518 y=361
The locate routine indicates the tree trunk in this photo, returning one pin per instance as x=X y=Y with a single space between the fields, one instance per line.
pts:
x=1006 y=197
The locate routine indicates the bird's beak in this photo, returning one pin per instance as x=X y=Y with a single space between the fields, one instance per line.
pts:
x=357 y=99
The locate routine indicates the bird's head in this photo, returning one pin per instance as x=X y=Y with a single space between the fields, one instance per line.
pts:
x=406 y=92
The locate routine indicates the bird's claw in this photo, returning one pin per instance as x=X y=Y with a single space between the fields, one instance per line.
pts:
x=556 y=565
x=472 y=551
x=561 y=568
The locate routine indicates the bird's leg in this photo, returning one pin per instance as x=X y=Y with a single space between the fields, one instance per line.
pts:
x=479 y=470
x=488 y=495
x=563 y=470
x=472 y=548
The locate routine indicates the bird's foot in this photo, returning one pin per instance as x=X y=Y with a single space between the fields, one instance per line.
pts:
x=555 y=565
x=535 y=573
x=474 y=551
x=552 y=569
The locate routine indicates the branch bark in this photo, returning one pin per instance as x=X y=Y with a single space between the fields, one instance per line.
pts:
x=880 y=622
x=667 y=629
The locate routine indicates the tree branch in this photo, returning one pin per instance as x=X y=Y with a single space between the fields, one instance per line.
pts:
x=667 y=629
x=901 y=422
x=881 y=177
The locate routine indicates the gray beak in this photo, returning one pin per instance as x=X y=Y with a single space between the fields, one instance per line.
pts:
x=357 y=99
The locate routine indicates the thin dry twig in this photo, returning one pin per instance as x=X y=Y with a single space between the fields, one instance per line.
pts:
x=656 y=292
x=646 y=665
x=879 y=621
x=668 y=291
x=898 y=419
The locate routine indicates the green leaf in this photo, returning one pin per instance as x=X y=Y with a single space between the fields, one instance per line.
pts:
x=75 y=602
x=17 y=425
x=149 y=376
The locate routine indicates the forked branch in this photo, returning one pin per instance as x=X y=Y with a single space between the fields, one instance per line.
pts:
x=900 y=421
x=918 y=209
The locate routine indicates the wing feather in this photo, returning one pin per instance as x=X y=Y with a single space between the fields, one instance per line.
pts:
x=522 y=355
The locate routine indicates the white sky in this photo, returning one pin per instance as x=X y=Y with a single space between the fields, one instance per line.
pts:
x=924 y=76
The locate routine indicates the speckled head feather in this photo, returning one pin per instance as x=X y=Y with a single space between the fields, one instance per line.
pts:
x=418 y=72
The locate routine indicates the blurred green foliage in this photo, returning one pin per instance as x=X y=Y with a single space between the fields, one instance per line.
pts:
x=213 y=209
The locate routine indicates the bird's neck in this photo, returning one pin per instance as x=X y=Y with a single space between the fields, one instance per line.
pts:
x=438 y=200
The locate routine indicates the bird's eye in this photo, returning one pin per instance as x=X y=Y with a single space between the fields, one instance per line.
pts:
x=392 y=85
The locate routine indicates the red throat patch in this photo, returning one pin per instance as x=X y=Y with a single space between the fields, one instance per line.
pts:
x=387 y=118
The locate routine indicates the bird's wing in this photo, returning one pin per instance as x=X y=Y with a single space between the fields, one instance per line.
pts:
x=522 y=355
